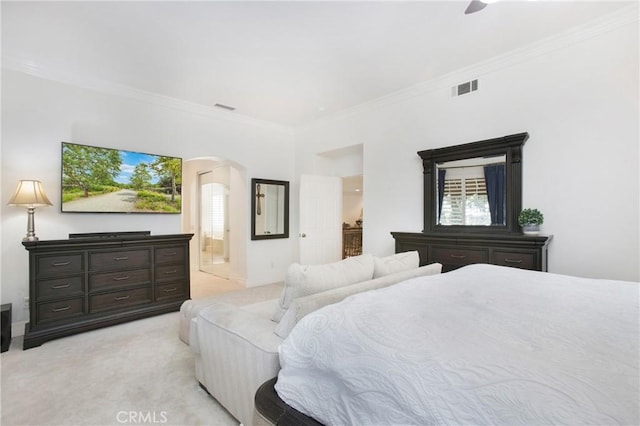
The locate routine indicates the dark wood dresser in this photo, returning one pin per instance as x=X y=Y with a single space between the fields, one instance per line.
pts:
x=459 y=241
x=456 y=250
x=96 y=280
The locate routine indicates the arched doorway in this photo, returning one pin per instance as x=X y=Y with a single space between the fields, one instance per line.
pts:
x=214 y=203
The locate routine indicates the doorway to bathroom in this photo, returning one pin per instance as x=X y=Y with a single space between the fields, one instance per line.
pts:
x=213 y=188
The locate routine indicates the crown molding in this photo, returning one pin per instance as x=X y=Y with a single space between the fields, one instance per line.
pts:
x=618 y=19
x=607 y=23
x=76 y=80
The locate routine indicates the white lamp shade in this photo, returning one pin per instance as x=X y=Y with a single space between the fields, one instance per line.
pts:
x=29 y=193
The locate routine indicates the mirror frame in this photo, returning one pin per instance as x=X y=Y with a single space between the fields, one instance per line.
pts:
x=510 y=146
x=285 y=184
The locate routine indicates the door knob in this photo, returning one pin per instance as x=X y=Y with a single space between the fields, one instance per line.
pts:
x=303 y=235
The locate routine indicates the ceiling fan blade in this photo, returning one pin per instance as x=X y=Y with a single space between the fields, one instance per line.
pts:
x=475 y=6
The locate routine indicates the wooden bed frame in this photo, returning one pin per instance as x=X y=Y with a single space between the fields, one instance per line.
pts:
x=274 y=410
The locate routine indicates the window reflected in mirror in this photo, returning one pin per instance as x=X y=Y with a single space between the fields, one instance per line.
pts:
x=471 y=191
x=270 y=209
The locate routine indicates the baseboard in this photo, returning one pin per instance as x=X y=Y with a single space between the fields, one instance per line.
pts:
x=238 y=280
x=17 y=328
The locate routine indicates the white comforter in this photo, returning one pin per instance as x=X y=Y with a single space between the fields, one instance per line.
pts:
x=480 y=345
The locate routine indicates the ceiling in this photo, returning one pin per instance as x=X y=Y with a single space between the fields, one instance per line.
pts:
x=288 y=62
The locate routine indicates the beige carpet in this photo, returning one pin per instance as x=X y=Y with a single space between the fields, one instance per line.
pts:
x=133 y=373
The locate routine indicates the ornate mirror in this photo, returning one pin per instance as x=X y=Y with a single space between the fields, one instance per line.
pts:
x=474 y=187
x=269 y=209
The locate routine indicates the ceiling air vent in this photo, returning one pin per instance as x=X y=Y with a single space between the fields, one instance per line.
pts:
x=227 y=107
x=464 y=88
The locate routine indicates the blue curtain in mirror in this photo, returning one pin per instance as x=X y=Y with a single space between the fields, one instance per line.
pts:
x=441 y=174
x=494 y=179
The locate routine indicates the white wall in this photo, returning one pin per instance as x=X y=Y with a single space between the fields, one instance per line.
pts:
x=577 y=96
x=38 y=114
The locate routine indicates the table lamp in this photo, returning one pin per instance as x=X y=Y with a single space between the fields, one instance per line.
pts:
x=30 y=194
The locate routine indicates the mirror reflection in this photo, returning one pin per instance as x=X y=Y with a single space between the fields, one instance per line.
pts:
x=270 y=209
x=471 y=191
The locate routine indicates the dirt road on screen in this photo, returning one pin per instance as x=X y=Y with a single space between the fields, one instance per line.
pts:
x=123 y=201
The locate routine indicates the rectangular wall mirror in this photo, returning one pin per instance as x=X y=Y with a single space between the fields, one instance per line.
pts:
x=474 y=187
x=269 y=209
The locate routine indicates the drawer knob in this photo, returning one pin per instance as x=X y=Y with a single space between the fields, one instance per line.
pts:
x=121 y=258
x=169 y=290
x=66 y=308
x=170 y=272
x=513 y=260
x=60 y=263
x=173 y=253
x=59 y=286
x=121 y=298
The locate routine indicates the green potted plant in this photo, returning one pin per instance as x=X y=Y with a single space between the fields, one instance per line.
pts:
x=530 y=220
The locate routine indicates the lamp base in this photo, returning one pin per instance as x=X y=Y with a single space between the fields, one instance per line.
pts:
x=31 y=229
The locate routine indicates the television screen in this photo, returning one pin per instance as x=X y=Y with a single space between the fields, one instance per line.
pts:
x=106 y=180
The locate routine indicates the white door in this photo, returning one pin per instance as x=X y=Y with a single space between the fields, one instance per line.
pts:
x=320 y=219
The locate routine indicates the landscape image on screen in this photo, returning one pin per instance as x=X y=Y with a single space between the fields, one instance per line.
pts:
x=106 y=180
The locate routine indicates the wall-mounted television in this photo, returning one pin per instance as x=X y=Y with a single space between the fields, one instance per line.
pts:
x=107 y=180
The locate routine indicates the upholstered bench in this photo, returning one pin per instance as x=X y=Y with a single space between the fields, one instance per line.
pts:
x=236 y=346
x=190 y=308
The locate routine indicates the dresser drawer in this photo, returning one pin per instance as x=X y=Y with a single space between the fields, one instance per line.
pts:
x=522 y=260
x=169 y=254
x=59 y=310
x=59 y=265
x=59 y=287
x=111 y=260
x=120 y=279
x=169 y=272
x=170 y=291
x=119 y=299
x=459 y=256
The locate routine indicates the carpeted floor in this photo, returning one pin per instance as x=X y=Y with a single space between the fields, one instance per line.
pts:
x=134 y=373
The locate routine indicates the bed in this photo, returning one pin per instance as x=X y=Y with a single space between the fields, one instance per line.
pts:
x=483 y=344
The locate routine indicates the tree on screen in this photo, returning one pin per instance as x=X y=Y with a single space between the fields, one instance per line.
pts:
x=171 y=170
x=141 y=177
x=87 y=166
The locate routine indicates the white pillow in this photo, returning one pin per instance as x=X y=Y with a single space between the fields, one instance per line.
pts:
x=303 y=306
x=303 y=280
x=395 y=263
